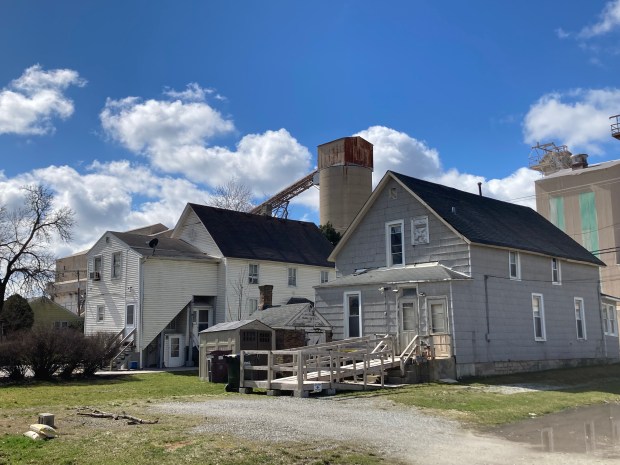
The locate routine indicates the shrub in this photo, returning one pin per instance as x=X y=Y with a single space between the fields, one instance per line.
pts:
x=44 y=351
x=73 y=346
x=12 y=360
x=16 y=314
x=99 y=348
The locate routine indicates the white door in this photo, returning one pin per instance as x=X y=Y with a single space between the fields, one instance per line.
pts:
x=174 y=351
x=130 y=318
x=409 y=323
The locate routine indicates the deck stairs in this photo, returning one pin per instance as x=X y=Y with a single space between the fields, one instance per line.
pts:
x=350 y=364
x=123 y=345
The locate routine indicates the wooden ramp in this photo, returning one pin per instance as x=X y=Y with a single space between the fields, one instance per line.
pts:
x=343 y=365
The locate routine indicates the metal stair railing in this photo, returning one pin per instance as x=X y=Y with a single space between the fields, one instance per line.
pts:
x=123 y=344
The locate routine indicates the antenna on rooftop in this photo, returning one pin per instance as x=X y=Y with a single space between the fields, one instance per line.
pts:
x=549 y=158
x=153 y=244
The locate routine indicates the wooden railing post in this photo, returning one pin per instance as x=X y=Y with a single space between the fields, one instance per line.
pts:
x=241 y=370
x=300 y=372
x=269 y=369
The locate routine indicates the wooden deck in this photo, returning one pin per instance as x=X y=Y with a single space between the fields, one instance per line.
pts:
x=344 y=365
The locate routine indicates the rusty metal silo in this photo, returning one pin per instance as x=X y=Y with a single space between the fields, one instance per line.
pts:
x=345 y=178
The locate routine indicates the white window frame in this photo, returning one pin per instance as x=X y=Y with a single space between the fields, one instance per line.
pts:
x=388 y=242
x=541 y=313
x=556 y=271
x=419 y=224
x=444 y=302
x=252 y=305
x=324 y=277
x=610 y=320
x=98 y=258
x=292 y=277
x=253 y=277
x=580 y=315
x=133 y=315
x=517 y=264
x=347 y=315
x=117 y=260
x=100 y=316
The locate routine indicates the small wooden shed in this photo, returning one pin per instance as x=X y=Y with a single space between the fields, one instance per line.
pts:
x=234 y=336
x=296 y=325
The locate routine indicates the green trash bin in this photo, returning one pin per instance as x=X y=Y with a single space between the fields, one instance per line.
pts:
x=233 y=365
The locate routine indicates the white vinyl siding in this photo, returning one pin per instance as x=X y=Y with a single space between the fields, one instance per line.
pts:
x=394 y=244
x=580 y=318
x=538 y=314
x=272 y=273
x=252 y=306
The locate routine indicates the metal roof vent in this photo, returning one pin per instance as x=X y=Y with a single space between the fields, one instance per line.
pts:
x=579 y=161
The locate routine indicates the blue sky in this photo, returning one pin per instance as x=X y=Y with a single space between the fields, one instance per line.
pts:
x=128 y=110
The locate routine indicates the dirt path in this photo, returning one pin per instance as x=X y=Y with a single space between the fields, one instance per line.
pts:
x=397 y=431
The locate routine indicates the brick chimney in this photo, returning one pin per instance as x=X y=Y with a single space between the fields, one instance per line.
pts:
x=266 y=296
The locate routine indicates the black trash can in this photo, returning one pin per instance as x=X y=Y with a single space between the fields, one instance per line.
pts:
x=232 y=363
x=216 y=366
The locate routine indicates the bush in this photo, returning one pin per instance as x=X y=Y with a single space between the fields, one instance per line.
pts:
x=99 y=348
x=73 y=344
x=45 y=351
x=12 y=360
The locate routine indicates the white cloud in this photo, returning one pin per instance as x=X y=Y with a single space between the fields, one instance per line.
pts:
x=394 y=150
x=609 y=19
x=579 y=119
x=29 y=103
x=109 y=196
x=176 y=134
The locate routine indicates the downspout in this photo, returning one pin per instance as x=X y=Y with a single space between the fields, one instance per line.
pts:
x=486 y=309
x=600 y=317
x=452 y=328
x=140 y=305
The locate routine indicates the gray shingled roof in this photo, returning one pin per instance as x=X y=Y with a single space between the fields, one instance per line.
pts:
x=488 y=221
x=166 y=247
x=259 y=237
x=228 y=326
x=280 y=316
x=408 y=274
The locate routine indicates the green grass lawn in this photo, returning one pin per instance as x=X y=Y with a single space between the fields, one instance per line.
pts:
x=472 y=401
x=172 y=440
x=87 y=440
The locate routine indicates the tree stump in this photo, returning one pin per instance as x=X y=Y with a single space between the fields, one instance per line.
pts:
x=46 y=419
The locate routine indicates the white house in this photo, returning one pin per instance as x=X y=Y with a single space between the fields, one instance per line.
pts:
x=158 y=292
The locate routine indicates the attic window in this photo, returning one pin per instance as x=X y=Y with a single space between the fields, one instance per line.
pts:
x=419 y=230
x=393 y=193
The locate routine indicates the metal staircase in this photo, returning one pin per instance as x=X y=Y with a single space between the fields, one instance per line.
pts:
x=126 y=344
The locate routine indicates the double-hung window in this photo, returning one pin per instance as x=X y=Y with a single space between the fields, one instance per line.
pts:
x=100 y=313
x=580 y=319
x=439 y=316
x=555 y=271
x=292 y=277
x=538 y=313
x=419 y=230
x=253 y=273
x=324 y=276
x=514 y=265
x=394 y=243
x=117 y=260
x=609 y=319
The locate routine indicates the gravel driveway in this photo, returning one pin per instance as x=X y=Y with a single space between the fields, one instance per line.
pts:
x=395 y=430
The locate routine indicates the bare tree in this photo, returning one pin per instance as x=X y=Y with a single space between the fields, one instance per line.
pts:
x=238 y=287
x=234 y=195
x=26 y=263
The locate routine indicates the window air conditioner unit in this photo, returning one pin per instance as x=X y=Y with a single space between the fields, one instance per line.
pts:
x=95 y=275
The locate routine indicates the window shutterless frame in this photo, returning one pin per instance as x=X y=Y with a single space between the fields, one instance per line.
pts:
x=394 y=243
x=352 y=314
x=538 y=315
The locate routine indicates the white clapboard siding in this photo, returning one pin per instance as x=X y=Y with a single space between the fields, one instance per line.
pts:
x=113 y=294
x=274 y=273
x=169 y=286
x=191 y=230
